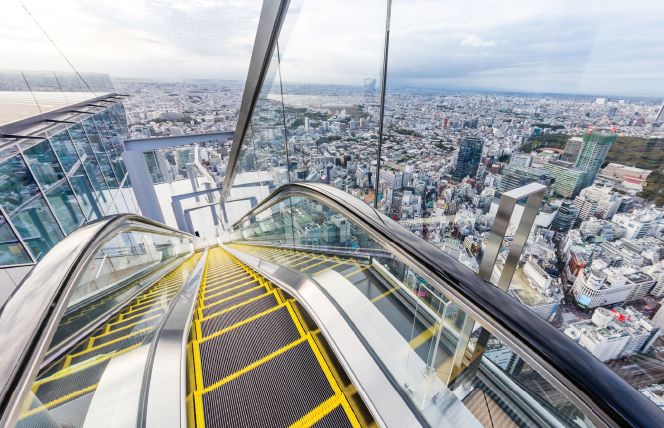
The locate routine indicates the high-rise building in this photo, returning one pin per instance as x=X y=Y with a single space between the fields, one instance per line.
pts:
x=568 y=179
x=587 y=208
x=593 y=152
x=572 y=150
x=521 y=160
x=515 y=177
x=470 y=154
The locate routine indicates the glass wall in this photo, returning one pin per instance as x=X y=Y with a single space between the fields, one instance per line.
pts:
x=480 y=101
x=54 y=182
x=445 y=362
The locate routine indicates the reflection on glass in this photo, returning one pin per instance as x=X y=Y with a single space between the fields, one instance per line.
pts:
x=76 y=174
x=108 y=147
x=44 y=164
x=25 y=206
x=100 y=153
x=12 y=251
x=85 y=152
x=121 y=276
x=442 y=359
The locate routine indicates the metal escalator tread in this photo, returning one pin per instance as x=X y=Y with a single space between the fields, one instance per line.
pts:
x=274 y=394
x=70 y=382
x=236 y=300
x=111 y=347
x=337 y=418
x=133 y=319
x=257 y=338
x=234 y=316
x=118 y=333
x=231 y=291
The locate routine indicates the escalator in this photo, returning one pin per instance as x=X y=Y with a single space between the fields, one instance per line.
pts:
x=280 y=378
x=313 y=310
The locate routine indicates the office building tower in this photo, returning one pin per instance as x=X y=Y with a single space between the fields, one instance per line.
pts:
x=593 y=152
x=468 y=160
x=515 y=177
x=587 y=208
x=565 y=217
x=572 y=150
x=567 y=179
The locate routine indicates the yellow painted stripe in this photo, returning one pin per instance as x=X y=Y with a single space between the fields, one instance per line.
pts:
x=231 y=297
x=252 y=365
x=385 y=294
x=243 y=322
x=328 y=268
x=317 y=413
x=422 y=338
x=309 y=267
x=251 y=278
x=357 y=271
x=59 y=400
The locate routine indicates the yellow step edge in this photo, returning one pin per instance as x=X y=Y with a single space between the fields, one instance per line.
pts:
x=226 y=289
x=213 y=273
x=107 y=332
x=242 y=304
x=123 y=318
x=153 y=299
x=309 y=267
x=234 y=276
x=317 y=413
x=58 y=401
x=250 y=279
x=103 y=358
x=249 y=367
x=241 y=323
x=72 y=356
x=230 y=297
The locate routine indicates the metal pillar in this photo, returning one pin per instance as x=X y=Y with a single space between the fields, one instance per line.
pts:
x=141 y=180
x=535 y=193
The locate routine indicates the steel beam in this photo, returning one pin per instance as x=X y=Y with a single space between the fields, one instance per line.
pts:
x=156 y=143
x=535 y=193
x=141 y=181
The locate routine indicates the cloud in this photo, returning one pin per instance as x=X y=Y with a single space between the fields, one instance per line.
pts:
x=474 y=40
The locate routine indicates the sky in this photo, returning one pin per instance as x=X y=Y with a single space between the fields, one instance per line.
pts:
x=578 y=47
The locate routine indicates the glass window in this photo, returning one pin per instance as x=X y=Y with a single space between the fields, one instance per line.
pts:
x=46 y=168
x=108 y=147
x=12 y=251
x=78 y=178
x=95 y=174
x=24 y=204
x=99 y=152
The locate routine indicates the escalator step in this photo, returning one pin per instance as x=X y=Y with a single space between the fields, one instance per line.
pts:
x=211 y=285
x=111 y=347
x=337 y=418
x=231 y=291
x=76 y=380
x=234 y=316
x=274 y=394
x=133 y=319
x=116 y=334
x=257 y=339
x=233 y=301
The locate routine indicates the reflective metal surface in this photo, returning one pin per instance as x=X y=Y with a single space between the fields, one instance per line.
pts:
x=386 y=404
x=164 y=393
x=29 y=319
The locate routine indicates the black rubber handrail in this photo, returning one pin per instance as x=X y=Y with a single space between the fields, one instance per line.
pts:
x=609 y=397
x=30 y=316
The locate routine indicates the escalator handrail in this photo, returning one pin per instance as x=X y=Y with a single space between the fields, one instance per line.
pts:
x=30 y=316
x=593 y=385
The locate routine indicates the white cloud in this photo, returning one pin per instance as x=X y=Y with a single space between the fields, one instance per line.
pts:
x=474 y=40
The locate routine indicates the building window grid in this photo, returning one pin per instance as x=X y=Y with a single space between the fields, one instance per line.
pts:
x=87 y=177
x=112 y=207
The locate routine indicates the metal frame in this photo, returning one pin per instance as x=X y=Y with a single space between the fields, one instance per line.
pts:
x=134 y=160
x=535 y=193
x=164 y=394
x=20 y=239
x=269 y=26
x=25 y=335
x=180 y=214
x=382 y=99
x=587 y=382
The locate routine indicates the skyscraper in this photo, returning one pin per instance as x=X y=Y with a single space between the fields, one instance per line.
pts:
x=593 y=151
x=572 y=150
x=470 y=153
x=660 y=115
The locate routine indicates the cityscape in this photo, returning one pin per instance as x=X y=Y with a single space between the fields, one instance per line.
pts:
x=592 y=265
